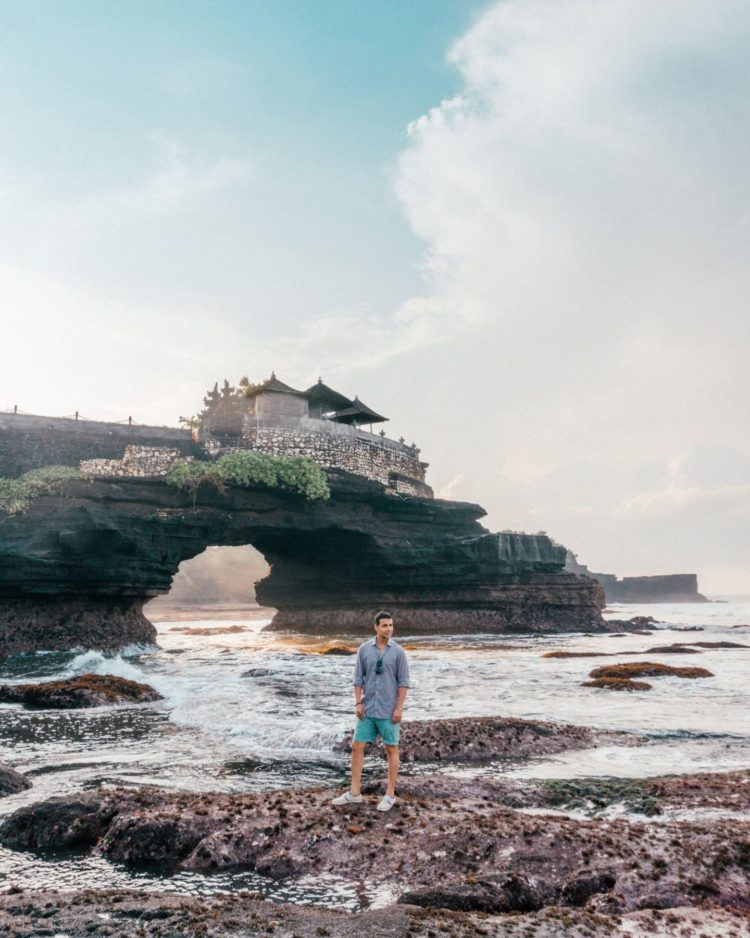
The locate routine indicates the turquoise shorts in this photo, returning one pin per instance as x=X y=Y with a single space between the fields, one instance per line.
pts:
x=369 y=728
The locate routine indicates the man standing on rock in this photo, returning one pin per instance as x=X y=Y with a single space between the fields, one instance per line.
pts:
x=381 y=682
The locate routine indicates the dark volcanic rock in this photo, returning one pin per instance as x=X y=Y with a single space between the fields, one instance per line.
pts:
x=577 y=654
x=472 y=739
x=120 y=913
x=719 y=645
x=88 y=690
x=617 y=683
x=338 y=650
x=673 y=649
x=213 y=630
x=512 y=893
x=76 y=568
x=58 y=623
x=691 y=648
x=640 y=625
x=727 y=790
x=75 y=821
x=125 y=914
x=11 y=782
x=446 y=840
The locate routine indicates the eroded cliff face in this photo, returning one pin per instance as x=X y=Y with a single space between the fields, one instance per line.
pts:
x=75 y=569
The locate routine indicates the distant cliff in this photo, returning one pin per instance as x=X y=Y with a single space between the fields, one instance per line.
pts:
x=666 y=588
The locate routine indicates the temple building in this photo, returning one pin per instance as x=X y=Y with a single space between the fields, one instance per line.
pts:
x=273 y=417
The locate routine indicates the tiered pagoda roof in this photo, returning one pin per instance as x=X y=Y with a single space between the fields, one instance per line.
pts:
x=336 y=406
x=273 y=384
x=320 y=393
x=358 y=413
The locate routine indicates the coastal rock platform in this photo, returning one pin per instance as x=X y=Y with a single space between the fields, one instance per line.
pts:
x=448 y=842
x=476 y=739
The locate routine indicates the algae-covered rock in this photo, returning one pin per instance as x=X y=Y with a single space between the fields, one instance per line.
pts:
x=617 y=683
x=88 y=690
x=633 y=669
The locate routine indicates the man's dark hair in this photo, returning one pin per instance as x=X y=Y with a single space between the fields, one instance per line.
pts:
x=382 y=615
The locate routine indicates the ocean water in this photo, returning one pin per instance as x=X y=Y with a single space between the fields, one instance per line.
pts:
x=248 y=710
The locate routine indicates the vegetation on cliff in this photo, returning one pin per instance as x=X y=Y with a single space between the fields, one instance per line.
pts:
x=17 y=494
x=244 y=469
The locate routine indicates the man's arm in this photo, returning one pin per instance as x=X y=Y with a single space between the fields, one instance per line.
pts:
x=399 y=711
x=359 y=677
x=402 y=676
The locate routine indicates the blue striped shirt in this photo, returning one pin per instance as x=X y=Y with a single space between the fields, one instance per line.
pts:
x=381 y=690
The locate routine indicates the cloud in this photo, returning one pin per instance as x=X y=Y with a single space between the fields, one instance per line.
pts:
x=54 y=337
x=176 y=185
x=347 y=344
x=713 y=482
x=452 y=489
x=727 y=498
x=585 y=204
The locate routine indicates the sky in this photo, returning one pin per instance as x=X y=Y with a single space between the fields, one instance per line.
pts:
x=519 y=229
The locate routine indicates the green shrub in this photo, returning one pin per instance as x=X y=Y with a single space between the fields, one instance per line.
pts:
x=16 y=494
x=246 y=469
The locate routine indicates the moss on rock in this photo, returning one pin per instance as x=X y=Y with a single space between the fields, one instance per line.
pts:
x=17 y=494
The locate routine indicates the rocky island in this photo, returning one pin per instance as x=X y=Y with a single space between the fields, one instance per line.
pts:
x=80 y=558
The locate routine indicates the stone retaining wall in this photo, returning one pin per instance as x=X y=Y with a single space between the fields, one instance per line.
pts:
x=30 y=442
x=141 y=462
x=111 y=450
x=399 y=470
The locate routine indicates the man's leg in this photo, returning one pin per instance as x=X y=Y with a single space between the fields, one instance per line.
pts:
x=393 y=766
x=358 y=761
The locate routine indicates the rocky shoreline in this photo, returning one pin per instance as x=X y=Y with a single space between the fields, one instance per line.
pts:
x=459 y=854
x=120 y=913
x=465 y=845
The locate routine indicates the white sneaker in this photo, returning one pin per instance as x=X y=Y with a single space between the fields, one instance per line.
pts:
x=386 y=803
x=347 y=798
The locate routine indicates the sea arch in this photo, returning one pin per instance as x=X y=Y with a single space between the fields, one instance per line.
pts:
x=77 y=566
